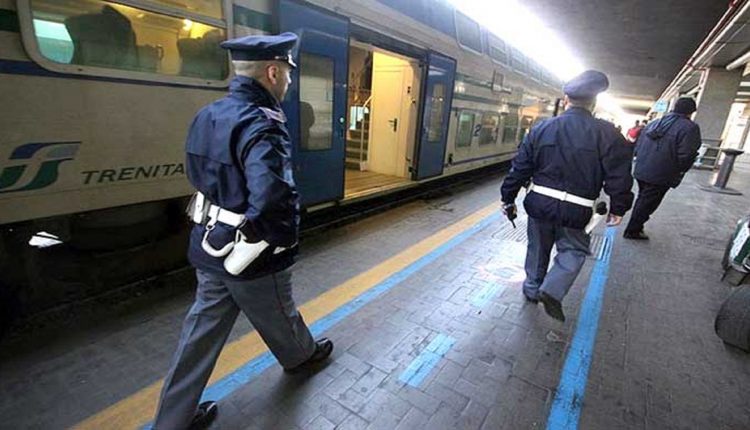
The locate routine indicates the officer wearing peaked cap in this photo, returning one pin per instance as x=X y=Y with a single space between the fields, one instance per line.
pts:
x=566 y=161
x=246 y=215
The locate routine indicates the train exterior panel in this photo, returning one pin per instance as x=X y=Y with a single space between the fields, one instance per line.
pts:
x=84 y=129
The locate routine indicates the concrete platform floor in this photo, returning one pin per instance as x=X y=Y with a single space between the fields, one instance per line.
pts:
x=431 y=331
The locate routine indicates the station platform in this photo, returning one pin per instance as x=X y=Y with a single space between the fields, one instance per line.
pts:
x=424 y=306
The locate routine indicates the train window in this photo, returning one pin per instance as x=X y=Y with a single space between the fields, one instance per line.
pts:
x=490 y=127
x=102 y=34
x=536 y=71
x=517 y=60
x=548 y=77
x=316 y=102
x=498 y=50
x=465 y=129
x=435 y=129
x=468 y=32
x=511 y=126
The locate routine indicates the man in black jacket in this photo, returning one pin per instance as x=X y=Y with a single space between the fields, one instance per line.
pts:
x=666 y=149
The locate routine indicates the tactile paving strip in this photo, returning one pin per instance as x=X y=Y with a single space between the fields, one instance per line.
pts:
x=518 y=234
x=507 y=232
x=596 y=248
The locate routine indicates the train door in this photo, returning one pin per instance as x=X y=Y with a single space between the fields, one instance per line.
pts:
x=393 y=83
x=317 y=98
x=436 y=115
x=383 y=118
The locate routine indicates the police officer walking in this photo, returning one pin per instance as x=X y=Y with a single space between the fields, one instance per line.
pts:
x=567 y=160
x=666 y=150
x=247 y=214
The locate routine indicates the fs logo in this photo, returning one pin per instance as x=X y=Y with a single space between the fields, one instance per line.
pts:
x=35 y=165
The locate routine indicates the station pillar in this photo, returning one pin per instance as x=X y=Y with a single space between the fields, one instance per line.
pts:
x=718 y=91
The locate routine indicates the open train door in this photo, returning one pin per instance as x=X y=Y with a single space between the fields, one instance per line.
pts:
x=435 y=115
x=316 y=101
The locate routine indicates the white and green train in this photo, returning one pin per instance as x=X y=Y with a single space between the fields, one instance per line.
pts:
x=98 y=96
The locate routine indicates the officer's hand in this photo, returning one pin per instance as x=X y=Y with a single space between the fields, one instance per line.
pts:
x=613 y=220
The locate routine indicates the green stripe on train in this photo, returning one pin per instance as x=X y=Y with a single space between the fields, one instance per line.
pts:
x=9 y=21
x=252 y=18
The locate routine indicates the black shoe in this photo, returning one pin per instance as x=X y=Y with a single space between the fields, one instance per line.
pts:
x=204 y=416
x=635 y=235
x=530 y=299
x=552 y=306
x=323 y=349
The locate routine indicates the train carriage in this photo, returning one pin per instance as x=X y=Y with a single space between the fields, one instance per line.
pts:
x=98 y=96
x=387 y=94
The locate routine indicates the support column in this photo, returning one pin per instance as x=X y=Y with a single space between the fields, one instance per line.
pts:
x=718 y=90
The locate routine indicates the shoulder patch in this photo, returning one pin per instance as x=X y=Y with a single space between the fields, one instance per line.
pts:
x=273 y=114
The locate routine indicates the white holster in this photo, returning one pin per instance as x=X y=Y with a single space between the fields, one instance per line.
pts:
x=593 y=222
x=243 y=253
x=239 y=253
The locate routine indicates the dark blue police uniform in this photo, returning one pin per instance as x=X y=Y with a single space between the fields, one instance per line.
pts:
x=577 y=154
x=239 y=158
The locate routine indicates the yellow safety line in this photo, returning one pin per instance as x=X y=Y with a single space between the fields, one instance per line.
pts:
x=137 y=409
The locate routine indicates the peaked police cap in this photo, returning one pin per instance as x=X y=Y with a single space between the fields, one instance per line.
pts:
x=586 y=85
x=263 y=48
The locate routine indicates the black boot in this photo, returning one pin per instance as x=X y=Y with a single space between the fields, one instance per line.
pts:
x=635 y=235
x=204 y=416
x=530 y=299
x=552 y=306
x=323 y=349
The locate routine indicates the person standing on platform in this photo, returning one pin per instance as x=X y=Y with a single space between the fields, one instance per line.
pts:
x=666 y=150
x=634 y=132
x=246 y=212
x=567 y=160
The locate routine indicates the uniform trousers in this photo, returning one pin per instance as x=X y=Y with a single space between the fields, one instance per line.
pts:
x=650 y=197
x=268 y=304
x=572 y=249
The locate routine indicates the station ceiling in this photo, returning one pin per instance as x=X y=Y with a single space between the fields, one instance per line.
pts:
x=640 y=44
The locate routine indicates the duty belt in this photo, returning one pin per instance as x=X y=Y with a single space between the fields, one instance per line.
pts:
x=204 y=212
x=563 y=196
x=239 y=253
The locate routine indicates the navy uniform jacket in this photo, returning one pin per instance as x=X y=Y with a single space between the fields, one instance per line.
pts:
x=666 y=149
x=577 y=153
x=239 y=157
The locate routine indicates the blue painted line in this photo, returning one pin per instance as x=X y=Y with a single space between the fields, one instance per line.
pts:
x=416 y=372
x=566 y=407
x=252 y=369
x=485 y=294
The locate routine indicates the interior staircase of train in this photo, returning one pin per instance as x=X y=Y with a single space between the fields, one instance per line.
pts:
x=360 y=110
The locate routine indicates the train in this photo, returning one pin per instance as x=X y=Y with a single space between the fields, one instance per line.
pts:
x=98 y=96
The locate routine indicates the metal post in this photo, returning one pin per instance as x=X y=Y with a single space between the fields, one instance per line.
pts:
x=722 y=177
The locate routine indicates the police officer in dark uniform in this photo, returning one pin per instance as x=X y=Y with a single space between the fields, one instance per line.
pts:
x=246 y=213
x=566 y=161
